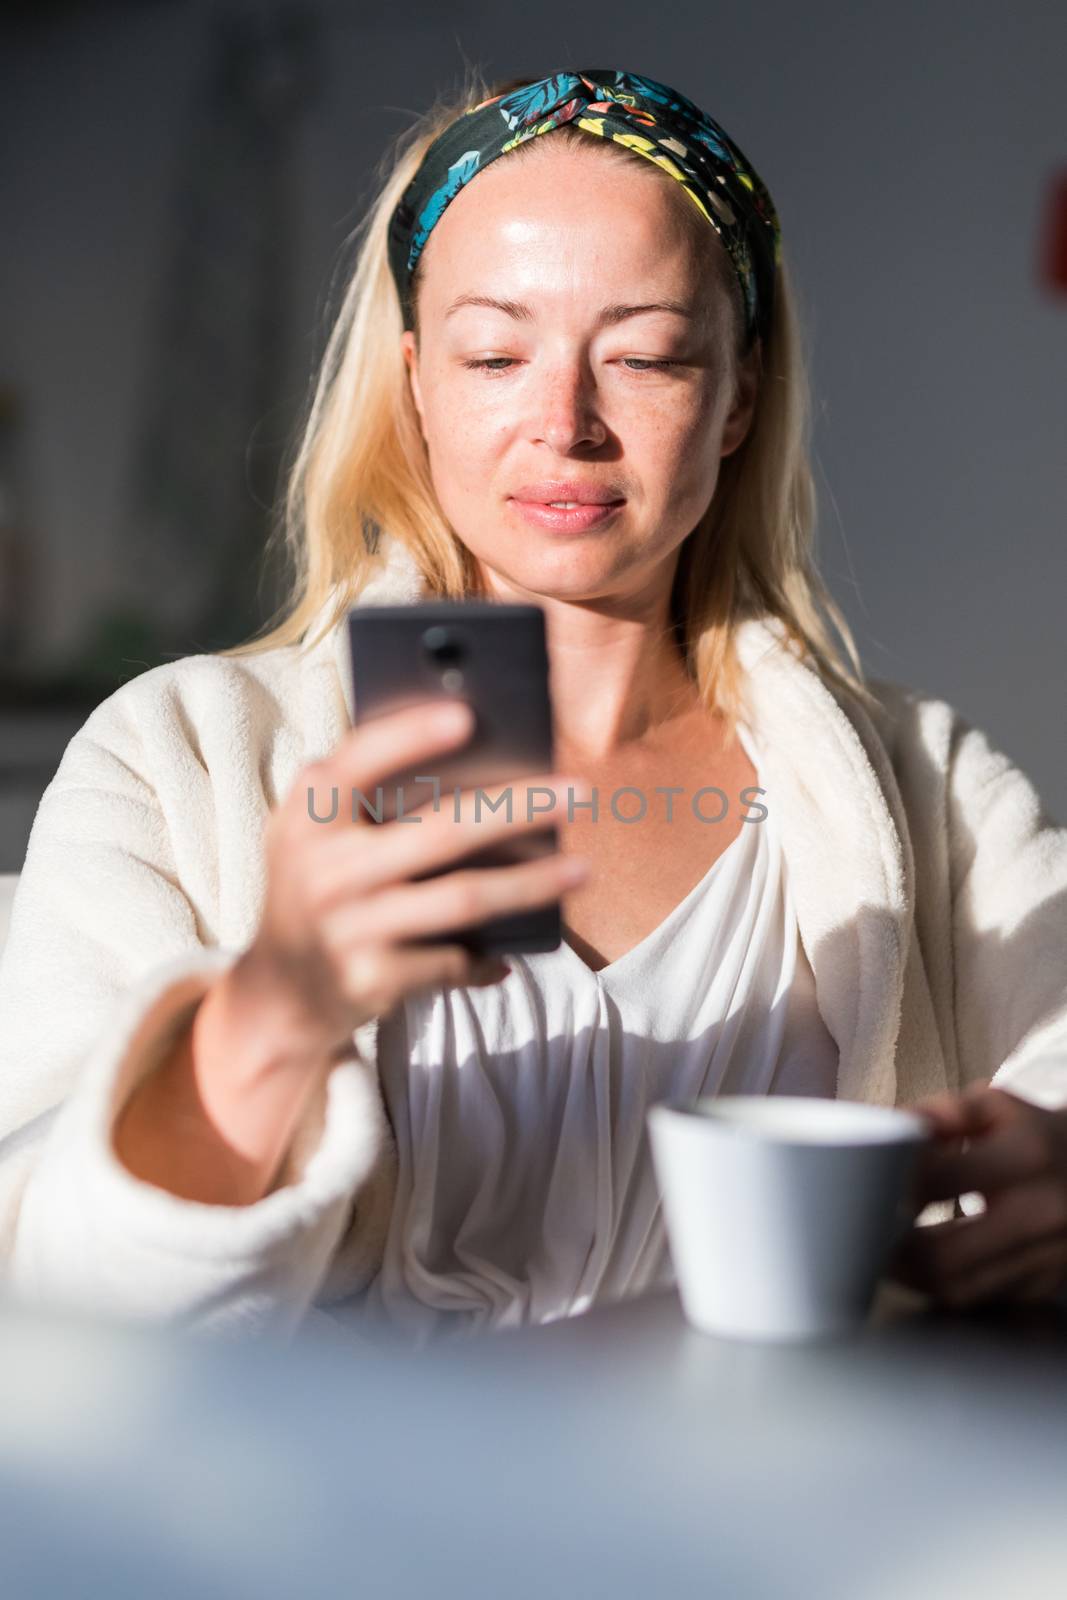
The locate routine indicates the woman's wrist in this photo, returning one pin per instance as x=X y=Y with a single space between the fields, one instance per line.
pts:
x=213 y=1122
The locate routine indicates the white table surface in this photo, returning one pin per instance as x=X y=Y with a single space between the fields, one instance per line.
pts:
x=617 y=1454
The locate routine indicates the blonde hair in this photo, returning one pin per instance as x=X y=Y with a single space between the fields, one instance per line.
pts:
x=361 y=465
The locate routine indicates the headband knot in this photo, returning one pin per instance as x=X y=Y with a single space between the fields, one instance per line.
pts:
x=649 y=118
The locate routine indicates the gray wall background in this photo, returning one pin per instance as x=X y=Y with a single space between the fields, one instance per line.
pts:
x=909 y=148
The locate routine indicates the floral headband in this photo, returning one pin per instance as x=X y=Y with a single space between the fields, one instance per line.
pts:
x=649 y=118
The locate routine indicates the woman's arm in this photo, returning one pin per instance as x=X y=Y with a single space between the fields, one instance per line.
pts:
x=214 y=1120
x=1007 y=863
x=104 y=966
x=1008 y=878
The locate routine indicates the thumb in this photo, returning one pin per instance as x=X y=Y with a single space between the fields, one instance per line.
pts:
x=947 y=1112
x=958 y=1116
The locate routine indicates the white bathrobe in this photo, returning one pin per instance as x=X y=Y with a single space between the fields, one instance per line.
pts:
x=930 y=889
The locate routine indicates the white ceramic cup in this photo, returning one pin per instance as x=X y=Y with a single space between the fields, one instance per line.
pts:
x=783 y=1210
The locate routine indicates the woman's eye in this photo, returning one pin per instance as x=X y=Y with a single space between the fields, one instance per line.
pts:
x=633 y=363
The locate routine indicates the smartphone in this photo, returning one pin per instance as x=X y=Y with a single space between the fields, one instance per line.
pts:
x=494 y=657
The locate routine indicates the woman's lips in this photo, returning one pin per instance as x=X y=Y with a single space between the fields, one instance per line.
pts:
x=576 y=520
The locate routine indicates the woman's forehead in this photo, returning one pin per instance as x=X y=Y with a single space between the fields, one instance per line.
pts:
x=528 y=224
x=565 y=187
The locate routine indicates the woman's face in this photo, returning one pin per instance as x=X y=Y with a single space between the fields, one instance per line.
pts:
x=565 y=241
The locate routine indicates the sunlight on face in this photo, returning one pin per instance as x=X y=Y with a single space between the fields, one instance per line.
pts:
x=556 y=390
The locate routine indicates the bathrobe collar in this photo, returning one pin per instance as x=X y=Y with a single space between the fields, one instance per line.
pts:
x=827 y=773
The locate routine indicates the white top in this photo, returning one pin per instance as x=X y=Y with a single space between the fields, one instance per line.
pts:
x=525 y=1186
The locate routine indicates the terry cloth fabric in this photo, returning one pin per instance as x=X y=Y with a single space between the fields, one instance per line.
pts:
x=929 y=886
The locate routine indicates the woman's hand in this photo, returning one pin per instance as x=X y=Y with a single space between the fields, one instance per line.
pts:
x=1015 y=1155
x=338 y=943
x=339 y=940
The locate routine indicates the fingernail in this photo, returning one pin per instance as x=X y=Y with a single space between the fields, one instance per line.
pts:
x=453 y=717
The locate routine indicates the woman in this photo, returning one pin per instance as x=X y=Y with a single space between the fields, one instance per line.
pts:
x=238 y=1086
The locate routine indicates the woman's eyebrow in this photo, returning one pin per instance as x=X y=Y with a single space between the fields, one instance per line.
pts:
x=609 y=315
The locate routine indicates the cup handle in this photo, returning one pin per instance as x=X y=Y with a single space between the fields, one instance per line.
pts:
x=908 y=1208
x=906 y=1215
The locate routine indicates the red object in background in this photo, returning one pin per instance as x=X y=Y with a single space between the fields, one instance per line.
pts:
x=1054 y=249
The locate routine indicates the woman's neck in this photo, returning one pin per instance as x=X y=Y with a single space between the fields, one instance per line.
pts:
x=616 y=688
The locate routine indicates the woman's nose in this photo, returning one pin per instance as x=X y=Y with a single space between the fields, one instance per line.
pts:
x=566 y=409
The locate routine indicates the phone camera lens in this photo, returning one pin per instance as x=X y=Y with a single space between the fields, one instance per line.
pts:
x=442 y=646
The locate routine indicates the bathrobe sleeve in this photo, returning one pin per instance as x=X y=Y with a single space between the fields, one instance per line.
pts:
x=1007 y=863
x=107 y=956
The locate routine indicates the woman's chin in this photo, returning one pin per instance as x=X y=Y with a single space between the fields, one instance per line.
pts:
x=568 y=578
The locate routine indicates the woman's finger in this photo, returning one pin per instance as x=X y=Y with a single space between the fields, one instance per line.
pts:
x=1000 y=1160
x=1013 y=1220
x=383 y=975
x=371 y=753
x=459 y=900
x=920 y=1258
x=395 y=851
x=1029 y=1271
x=955 y=1115
x=1007 y=1141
